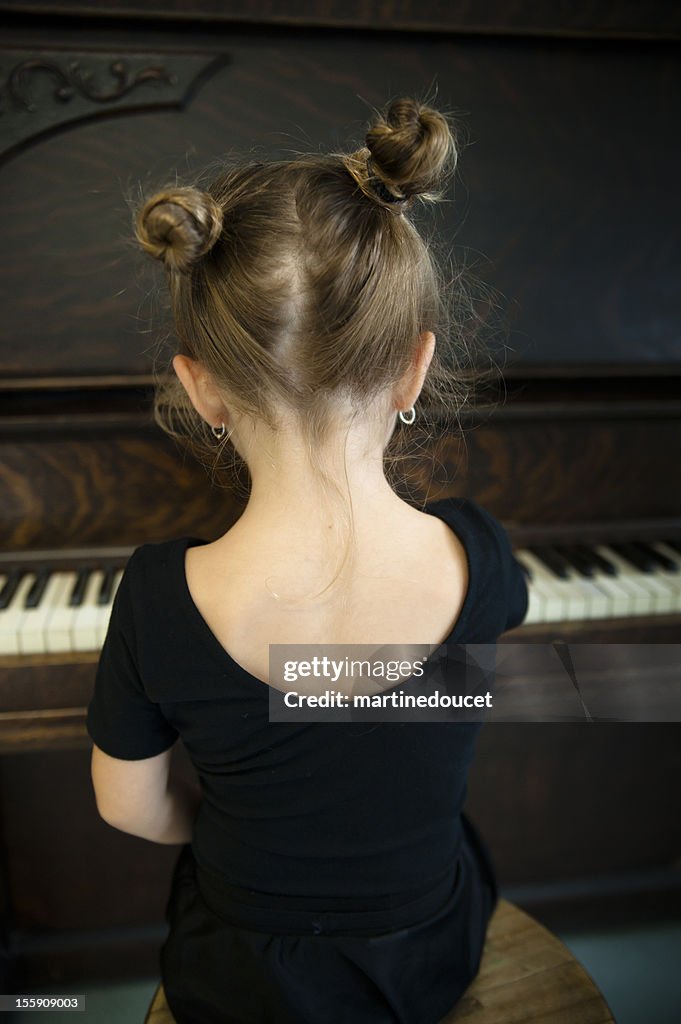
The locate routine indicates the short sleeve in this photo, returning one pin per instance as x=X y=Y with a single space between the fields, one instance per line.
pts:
x=518 y=595
x=514 y=585
x=121 y=719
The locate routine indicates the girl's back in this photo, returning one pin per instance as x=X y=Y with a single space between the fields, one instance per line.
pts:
x=407 y=586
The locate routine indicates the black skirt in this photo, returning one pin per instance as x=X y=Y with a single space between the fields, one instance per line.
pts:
x=231 y=961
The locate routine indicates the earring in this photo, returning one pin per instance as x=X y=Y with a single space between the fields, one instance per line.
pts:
x=220 y=431
x=409 y=416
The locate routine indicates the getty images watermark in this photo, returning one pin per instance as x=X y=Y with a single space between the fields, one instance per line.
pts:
x=507 y=682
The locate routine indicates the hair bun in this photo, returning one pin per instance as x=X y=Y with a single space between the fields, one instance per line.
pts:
x=179 y=226
x=411 y=147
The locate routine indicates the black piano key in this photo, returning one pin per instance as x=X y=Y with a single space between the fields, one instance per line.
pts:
x=663 y=560
x=552 y=560
x=37 y=588
x=575 y=558
x=9 y=588
x=105 y=591
x=675 y=545
x=79 y=587
x=630 y=553
x=598 y=561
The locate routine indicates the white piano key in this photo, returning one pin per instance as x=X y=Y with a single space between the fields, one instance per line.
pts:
x=535 y=605
x=569 y=601
x=641 y=598
x=86 y=621
x=672 y=578
x=12 y=616
x=660 y=594
x=551 y=600
x=622 y=602
x=33 y=627
x=597 y=601
x=104 y=611
x=60 y=621
x=588 y=599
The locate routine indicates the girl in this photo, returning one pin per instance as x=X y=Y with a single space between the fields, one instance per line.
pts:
x=328 y=873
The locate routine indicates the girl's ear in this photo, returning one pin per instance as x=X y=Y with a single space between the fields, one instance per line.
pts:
x=201 y=390
x=425 y=356
x=410 y=386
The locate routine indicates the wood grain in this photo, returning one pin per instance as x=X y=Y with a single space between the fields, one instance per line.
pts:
x=527 y=974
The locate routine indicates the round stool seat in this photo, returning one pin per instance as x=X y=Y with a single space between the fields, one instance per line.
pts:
x=526 y=974
x=159 y=1011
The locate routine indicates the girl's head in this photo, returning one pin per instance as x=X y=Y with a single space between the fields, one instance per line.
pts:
x=303 y=295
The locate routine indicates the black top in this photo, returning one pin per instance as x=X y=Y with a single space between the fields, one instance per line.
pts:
x=324 y=809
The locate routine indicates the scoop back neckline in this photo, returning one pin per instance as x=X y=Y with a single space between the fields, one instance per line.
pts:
x=218 y=652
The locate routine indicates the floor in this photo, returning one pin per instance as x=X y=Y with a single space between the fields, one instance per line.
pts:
x=638 y=971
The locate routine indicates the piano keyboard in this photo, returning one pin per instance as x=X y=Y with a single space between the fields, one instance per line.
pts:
x=45 y=612
x=603 y=581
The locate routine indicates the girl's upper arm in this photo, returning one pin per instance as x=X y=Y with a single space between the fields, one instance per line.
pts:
x=123 y=722
x=128 y=791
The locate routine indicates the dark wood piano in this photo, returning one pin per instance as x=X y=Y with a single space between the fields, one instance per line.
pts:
x=578 y=455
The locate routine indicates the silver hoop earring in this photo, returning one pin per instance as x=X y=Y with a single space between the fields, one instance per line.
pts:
x=409 y=416
x=220 y=431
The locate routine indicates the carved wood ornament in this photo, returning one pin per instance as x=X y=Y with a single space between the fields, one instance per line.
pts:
x=87 y=85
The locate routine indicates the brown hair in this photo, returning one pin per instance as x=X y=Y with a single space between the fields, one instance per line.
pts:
x=300 y=281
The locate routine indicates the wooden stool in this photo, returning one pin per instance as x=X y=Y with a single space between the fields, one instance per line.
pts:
x=526 y=974
x=159 y=1011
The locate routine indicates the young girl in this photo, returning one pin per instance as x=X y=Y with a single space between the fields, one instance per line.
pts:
x=327 y=873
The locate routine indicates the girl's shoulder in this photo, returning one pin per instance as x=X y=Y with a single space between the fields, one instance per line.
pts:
x=473 y=519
